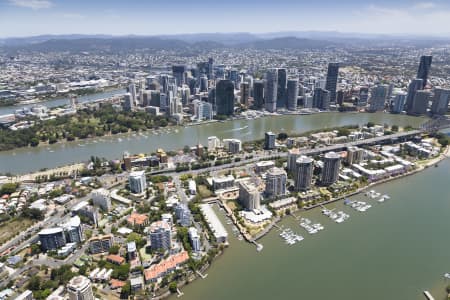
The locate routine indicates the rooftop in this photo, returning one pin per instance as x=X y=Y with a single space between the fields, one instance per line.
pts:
x=170 y=263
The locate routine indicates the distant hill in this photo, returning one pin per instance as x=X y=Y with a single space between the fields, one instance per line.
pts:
x=287 y=43
x=131 y=43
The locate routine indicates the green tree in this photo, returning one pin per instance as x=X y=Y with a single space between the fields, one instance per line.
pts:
x=173 y=287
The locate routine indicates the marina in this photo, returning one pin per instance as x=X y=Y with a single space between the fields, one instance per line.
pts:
x=338 y=217
x=290 y=237
x=311 y=228
x=360 y=206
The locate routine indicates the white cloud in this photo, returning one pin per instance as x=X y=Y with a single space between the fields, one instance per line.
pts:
x=425 y=5
x=73 y=16
x=33 y=4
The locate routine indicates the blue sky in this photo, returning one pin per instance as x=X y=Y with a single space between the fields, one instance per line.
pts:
x=151 y=17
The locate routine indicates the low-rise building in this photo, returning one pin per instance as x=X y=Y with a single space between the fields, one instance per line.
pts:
x=165 y=267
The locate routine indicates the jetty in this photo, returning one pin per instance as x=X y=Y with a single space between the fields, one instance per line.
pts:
x=201 y=275
x=428 y=295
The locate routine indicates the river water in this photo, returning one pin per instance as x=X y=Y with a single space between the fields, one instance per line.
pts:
x=395 y=250
x=32 y=159
x=62 y=101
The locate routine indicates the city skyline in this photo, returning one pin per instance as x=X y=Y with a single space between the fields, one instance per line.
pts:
x=38 y=17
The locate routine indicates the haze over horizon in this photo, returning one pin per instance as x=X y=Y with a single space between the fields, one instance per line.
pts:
x=20 y=18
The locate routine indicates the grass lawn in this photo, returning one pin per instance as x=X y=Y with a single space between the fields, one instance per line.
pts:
x=204 y=191
x=9 y=229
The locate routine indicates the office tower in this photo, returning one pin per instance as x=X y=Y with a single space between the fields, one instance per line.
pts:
x=101 y=198
x=128 y=103
x=160 y=235
x=132 y=91
x=249 y=195
x=183 y=214
x=73 y=230
x=303 y=173
x=195 y=239
x=390 y=90
x=79 y=288
x=244 y=93
x=363 y=98
x=146 y=98
x=178 y=72
x=440 y=101
x=399 y=102
x=276 y=182
x=203 y=83
x=340 y=97
x=269 y=140
x=155 y=98
x=354 y=155
x=210 y=68
x=332 y=78
x=270 y=90
x=164 y=82
x=424 y=69
x=420 y=103
x=52 y=238
x=292 y=94
x=234 y=77
x=378 y=97
x=413 y=87
x=131 y=250
x=281 y=88
x=258 y=94
x=137 y=182
x=185 y=95
x=225 y=97
x=331 y=165
x=321 y=99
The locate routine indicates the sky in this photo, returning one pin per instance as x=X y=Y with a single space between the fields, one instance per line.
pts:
x=155 y=17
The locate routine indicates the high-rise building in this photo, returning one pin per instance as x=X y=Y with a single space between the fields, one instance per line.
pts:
x=244 y=92
x=424 y=69
x=52 y=238
x=101 y=198
x=225 y=97
x=321 y=99
x=378 y=97
x=183 y=215
x=132 y=91
x=195 y=239
x=276 y=182
x=249 y=195
x=399 y=102
x=303 y=173
x=210 y=68
x=79 y=288
x=73 y=230
x=413 y=87
x=203 y=83
x=270 y=90
x=258 y=94
x=354 y=155
x=281 y=87
x=440 y=101
x=178 y=72
x=27 y=295
x=233 y=146
x=293 y=154
x=202 y=110
x=269 y=140
x=332 y=78
x=128 y=103
x=160 y=235
x=363 y=98
x=137 y=181
x=331 y=165
x=420 y=103
x=213 y=143
x=292 y=94
x=131 y=250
